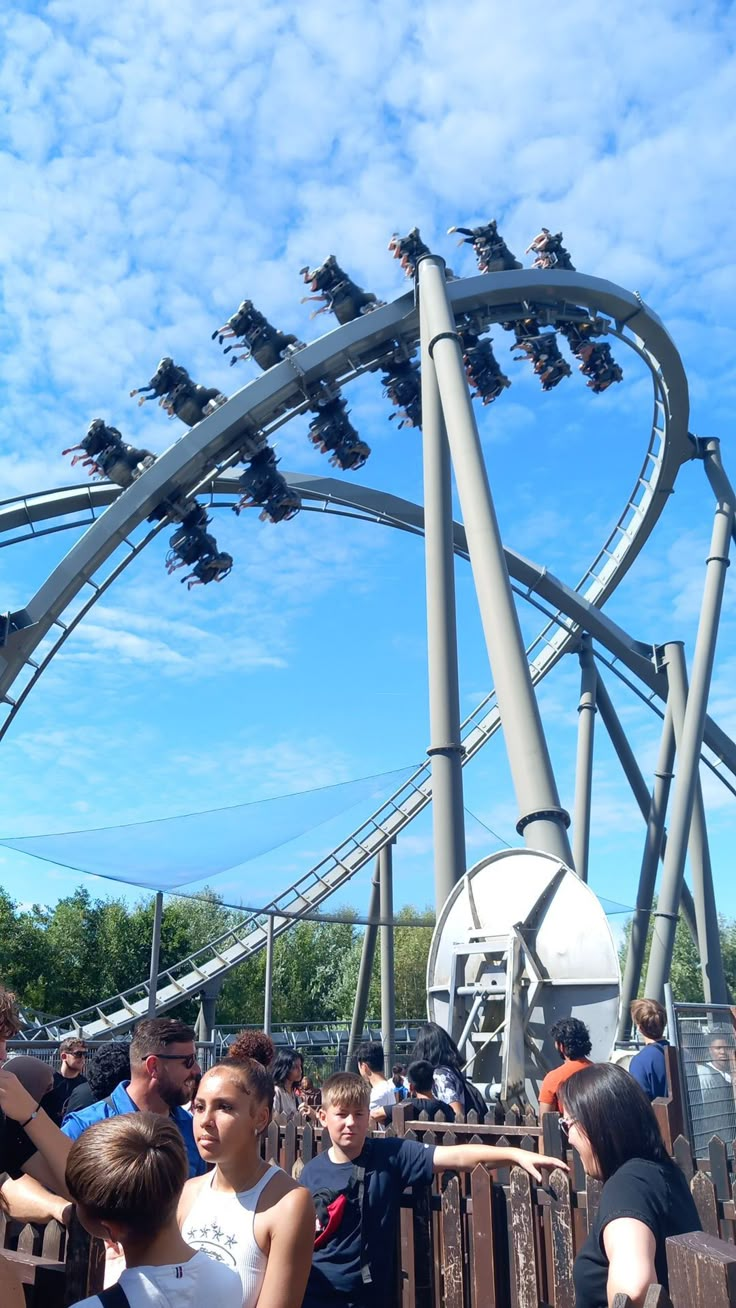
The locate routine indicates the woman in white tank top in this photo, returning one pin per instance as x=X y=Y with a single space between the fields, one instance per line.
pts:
x=246 y=1214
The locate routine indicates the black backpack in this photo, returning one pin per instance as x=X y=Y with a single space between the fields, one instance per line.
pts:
x=114 y=1297
x=474 y=1101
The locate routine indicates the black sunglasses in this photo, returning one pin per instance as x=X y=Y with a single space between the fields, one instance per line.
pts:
x=187 y=1059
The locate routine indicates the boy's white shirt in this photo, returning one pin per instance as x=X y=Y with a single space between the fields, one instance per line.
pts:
x=199 y=1281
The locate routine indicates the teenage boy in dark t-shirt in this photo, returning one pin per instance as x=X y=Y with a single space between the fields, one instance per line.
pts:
x=357 y=1185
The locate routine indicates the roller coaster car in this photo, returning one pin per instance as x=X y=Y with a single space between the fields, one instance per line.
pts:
x=409 y=249
x=213 y=567
x=550 y=251
x=187 y=545
x=402 y=385
x=491 y=251
x=193 y=546
x=190 y=513
x=334 y=434
x=179 y=395
x=108 y=455
x=339 y=293
x=483 y=369
x=261 y=484
x=544 y=353
x=261 y=341
x=599 y=365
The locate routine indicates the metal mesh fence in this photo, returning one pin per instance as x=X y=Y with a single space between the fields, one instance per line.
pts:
x=706 y=1037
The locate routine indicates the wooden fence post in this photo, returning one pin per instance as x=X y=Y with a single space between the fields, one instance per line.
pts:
x=702 y=1270
x=522 y=1227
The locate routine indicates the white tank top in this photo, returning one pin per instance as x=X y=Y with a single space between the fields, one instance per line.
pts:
x=222 y=1226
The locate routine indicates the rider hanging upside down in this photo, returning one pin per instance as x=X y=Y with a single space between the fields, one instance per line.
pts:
x=194 y=547
x=402 y=385
x=262 y=485
x=332 y=432
x=482 y=367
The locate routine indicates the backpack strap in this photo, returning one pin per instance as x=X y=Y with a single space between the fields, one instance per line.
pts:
x=365 y=1267
x=114 y=1297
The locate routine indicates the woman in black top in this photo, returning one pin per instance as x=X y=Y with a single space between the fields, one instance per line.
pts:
x=645 y=1197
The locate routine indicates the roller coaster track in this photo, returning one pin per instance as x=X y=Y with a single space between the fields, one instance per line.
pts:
x=200 y=459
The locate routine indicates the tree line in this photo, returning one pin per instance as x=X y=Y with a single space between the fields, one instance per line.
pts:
x=85 y=949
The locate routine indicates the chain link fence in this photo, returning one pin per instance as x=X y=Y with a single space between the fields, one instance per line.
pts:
x=706 y=1040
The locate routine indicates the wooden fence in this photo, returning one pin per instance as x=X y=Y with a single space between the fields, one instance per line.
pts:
x=470 y=1240
x=54 y=1266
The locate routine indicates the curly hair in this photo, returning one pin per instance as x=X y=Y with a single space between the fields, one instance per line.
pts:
x=252 y=1044
x=107 y=1066
x=572 y=1035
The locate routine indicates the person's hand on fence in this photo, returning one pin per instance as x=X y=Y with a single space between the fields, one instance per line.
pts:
x=15 y=1100
x=532 y=1162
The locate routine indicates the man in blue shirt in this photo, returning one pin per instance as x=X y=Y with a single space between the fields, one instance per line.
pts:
x=163 y=1076
x=648 y=1066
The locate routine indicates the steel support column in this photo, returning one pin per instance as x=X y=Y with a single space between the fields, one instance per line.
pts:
x=365 y=971
x=647 y=874
x=639 y=787
x=691 y=739
x=584 y=762
x=268 y=979
x=207 y=1018
x=388 y=990
x=715 y=990
x=445 y=749
x=158 y=912
x=542 y=821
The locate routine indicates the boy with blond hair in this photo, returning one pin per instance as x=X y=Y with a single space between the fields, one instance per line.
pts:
x=357 y=1186
x=126 y=1174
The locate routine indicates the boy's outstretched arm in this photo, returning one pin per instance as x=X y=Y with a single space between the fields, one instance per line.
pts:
x=463 y=1158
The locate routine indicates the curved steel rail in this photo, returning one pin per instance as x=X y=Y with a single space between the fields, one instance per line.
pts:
x=261 y=405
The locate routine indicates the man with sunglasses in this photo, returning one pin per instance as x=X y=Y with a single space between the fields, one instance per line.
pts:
x=163 y=1075
x=72 y=1055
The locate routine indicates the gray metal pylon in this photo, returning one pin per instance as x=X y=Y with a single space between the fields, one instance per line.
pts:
x=584 y=760
x=158 y=912
x=268 y=978
x=365 y=970
x=647 y=874
x=639 y=787
x=691 y=739
x=445 y=749
x=715 y=990
x=388 y=988
x=542 y=822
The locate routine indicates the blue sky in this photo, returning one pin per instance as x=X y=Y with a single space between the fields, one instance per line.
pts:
x=159 y=166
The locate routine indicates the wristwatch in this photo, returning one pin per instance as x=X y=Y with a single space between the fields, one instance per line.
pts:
x=23 y=1125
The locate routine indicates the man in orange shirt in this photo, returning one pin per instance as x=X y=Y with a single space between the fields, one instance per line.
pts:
x=572 y=1043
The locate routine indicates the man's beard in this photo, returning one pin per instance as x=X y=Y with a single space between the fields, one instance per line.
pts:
x=175 y=1096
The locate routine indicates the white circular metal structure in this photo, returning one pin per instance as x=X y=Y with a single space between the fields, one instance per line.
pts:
x=520 y=942
x=200 y=459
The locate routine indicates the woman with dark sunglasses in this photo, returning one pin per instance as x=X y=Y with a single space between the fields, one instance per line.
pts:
x=645 y=1197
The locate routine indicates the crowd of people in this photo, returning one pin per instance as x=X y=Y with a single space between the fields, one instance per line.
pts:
x=166 y=1165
